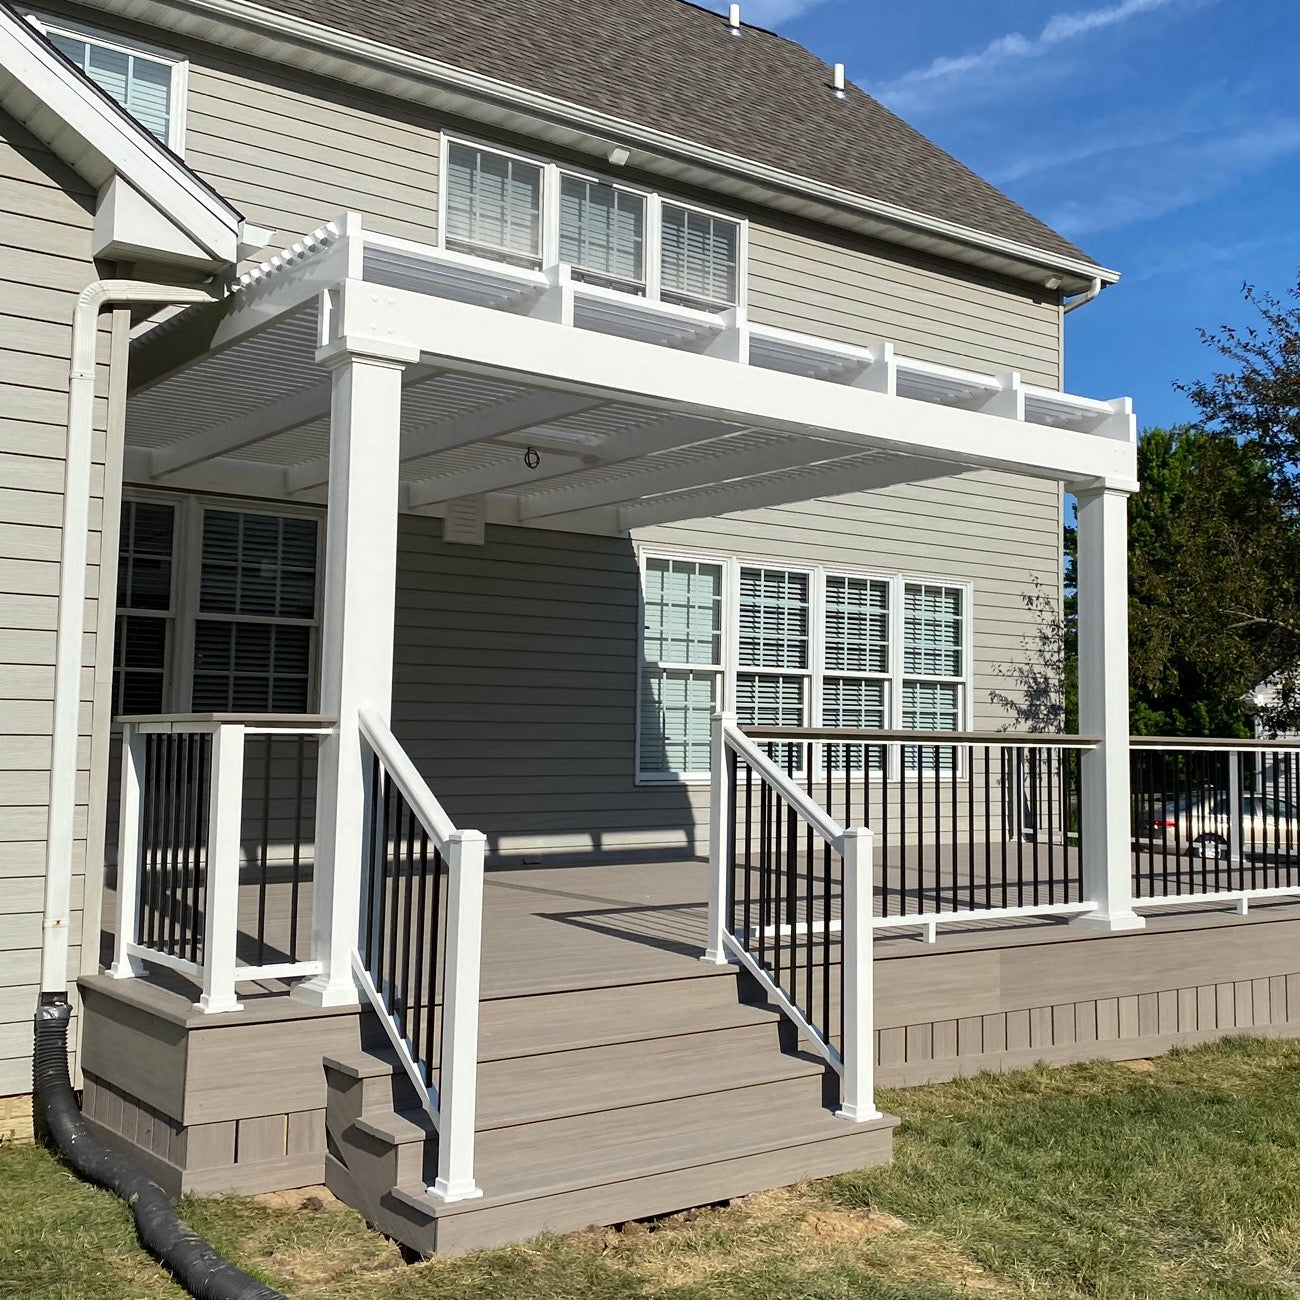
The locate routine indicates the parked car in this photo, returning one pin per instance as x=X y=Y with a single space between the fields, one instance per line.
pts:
x=1202 y=825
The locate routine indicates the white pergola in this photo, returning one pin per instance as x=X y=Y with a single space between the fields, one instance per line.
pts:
x=381 y=376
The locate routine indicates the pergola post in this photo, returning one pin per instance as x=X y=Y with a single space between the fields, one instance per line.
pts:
x=356 y=637
x=1103 y=708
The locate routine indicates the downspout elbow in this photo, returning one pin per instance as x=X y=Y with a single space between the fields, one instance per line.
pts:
x=1086 y=297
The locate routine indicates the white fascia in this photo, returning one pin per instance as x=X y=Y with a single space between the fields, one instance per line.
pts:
x=131 y=170
x=350 y=50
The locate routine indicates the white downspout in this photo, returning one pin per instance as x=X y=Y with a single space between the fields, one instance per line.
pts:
x=93 y=299
x=1084 y=298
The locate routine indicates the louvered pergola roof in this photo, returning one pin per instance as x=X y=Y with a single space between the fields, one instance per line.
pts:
x=533 y=398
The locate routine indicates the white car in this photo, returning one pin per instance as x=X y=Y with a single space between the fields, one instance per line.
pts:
x=1202 y=825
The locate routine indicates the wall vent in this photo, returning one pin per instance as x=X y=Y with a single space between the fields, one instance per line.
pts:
x=464 y=522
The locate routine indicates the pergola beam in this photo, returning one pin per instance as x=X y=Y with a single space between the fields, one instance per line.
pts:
x=479 y=425
x=508 y=475
x=655 y=479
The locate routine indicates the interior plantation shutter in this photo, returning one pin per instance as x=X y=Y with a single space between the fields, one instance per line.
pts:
x=602 y=230
x=257 y=601
x=493 y=204
x=700 y=257
x=773 y=619
x=857 y=625
x=140 y=85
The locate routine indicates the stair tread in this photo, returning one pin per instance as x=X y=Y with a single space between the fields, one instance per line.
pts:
x=669 y=1137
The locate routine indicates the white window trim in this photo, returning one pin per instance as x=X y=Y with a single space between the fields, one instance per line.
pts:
x=179 y=64
x=550 y=214
x=731 y=565
x=187 y=563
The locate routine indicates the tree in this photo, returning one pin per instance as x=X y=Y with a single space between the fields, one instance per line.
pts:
x=1214 y=582
x=1256 y=401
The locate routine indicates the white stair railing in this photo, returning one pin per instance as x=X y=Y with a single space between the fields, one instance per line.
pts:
x=419 y=957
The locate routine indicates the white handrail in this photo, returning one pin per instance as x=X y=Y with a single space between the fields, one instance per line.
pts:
x=831 y=831
x=408 y=780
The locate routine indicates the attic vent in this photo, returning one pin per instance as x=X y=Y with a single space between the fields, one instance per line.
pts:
x=839 y=81
x=463 y=525
x=733 y=18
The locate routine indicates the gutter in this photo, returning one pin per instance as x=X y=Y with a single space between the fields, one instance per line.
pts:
x=1084 y=298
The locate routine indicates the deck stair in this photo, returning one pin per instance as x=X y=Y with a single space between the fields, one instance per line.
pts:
x=597 y=1105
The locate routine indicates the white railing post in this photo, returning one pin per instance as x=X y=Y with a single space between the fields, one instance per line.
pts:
x=1103 y=709
x=458 y=1075
x=1235 y=827
x=721 y=856
x=130 y=847
x=857 y=952
x=225 y=823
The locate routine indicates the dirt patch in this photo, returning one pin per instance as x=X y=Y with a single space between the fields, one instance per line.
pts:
x=301 y=1198
x=1139 y=1066
x=842 y=1228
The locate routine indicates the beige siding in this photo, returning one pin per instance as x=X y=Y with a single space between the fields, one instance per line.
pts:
x=935 y=311
x=45 y=222
x=291 y=157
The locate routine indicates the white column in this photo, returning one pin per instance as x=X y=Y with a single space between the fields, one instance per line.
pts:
x=356 y=644
x=221 y=898
x=857 y=952
x=130 y=832
x=721 y=855
x=1103 y=708
x=458 y=1075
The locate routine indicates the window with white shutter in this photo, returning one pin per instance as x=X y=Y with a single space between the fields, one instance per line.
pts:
x=149 y=86
x=681 y=665
x=144 y=607
x=493 y=205
x=856 y=682
x=602 y=233
x=699 y=258
x=257 y=608
x=773 y=644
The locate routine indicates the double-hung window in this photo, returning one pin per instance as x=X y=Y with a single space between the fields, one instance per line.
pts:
x=790 y=647
x=217 y=610
x=148 y=84
x=510 y=208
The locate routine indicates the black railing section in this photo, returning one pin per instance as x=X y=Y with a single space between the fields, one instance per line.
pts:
x=786 y=897
x=1217 y=818
x=173 y=845
x=958 y=824
x=277 y=846
x=404 y=930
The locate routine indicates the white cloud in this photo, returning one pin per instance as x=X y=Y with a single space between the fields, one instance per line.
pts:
x=956 y=77
x=768 y=13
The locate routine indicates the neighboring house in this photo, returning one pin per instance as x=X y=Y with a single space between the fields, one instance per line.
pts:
x=656 y=370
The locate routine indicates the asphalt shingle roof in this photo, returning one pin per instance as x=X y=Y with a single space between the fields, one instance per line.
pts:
x=677 y=68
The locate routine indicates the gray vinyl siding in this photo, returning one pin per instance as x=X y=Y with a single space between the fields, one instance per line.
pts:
x=45 y=223
x=828 y=286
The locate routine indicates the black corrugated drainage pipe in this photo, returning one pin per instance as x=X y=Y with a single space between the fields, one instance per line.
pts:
x=195 y=1264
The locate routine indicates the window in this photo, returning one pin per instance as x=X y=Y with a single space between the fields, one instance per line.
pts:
x=144 y=607
x=217 y=610
x=148 y=84
x=681 y=664
x=602 y=233
x=790 y=647
x=514 y=209
x=494 y=205
x=699 y=259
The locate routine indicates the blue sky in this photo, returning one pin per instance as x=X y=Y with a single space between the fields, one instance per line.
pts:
x=1162 y=136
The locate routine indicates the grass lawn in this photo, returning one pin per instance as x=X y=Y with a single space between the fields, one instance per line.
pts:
x=1178 y=1178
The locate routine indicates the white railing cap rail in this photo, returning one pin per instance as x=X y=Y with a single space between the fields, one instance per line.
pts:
x=208 y=721
x=1211 y=742
x=830 y=830
x=413 y=786
x=863 y=735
